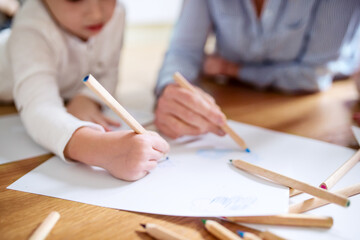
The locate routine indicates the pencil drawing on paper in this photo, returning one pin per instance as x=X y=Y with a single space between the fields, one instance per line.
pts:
x=220 y=203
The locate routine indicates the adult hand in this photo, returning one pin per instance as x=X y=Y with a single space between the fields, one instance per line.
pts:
x=180 y=112
x=215 y=65
x=86 y=109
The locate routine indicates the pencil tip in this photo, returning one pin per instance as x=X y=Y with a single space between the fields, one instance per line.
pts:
x=241 y=234
x=143 y=225
x=231 y=160
x=203 y=220
x=348 y=203
x=247 y=150
x=86 y=78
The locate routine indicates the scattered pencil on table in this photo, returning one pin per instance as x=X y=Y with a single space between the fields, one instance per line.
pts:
x=290 y=182
x=313 y=203
x=266 y=235
x=111 y=102
x=294 y=192
x=299 y=220
x=45 y=227
x=341 y=171
x=180 y=79
x=248 y=235
x=161 y=233
x=219 y=230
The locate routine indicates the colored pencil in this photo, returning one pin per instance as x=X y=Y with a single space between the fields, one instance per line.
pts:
x=299 y=220
x=313 y=203
x=161 y=233
x=180 y=79
x=45 y=227
x=266 y=235
x=341 y=171
x=111 y=102
x=219 y=230
x=294 y=192
x=248 y=236
x=290 y=182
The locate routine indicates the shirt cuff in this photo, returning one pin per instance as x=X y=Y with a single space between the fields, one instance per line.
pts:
x=63 y=141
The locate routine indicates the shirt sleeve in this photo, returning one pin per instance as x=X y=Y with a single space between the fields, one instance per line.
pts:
x=186 y=50
x=329 y=49
x=36 y=92
x=290 y=77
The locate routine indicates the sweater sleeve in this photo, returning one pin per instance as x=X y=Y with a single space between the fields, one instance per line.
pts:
x=36 y=92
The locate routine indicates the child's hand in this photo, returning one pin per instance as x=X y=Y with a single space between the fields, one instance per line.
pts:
x=125 y=154
x=87 y=110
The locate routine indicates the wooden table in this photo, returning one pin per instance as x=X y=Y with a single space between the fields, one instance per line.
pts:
x=323 y=116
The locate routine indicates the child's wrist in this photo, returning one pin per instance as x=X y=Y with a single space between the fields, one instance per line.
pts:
x=80 y=145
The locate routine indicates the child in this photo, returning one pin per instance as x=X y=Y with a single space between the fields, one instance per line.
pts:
x=52 y=46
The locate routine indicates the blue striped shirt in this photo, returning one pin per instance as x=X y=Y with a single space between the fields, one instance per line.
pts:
x=294 y=45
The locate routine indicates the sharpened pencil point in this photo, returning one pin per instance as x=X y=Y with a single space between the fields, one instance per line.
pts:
x=348 y=203
x=231 y=160
x=143 y=225
x=247 y=150
x=86 y=78
x=241 y=234
x=203 y=220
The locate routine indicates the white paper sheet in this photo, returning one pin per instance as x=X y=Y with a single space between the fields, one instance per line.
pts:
x=15 y=143
x=197 y=180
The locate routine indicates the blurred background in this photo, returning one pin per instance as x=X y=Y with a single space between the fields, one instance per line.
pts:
x=148 y=32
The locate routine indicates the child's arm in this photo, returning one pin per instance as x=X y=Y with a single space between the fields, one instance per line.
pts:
x=125 y=154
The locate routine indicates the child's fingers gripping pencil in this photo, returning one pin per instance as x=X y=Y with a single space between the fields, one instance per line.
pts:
x=180 y=79
x=110 y=101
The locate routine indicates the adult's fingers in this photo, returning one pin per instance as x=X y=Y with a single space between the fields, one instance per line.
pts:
x=177 y=126
x=185 y=114
x=196 y=103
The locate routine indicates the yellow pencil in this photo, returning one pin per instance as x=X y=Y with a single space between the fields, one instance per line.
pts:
x=341 y=171
x=219 y=230
x=290 y=182
x=313 y=203
x=45 y=227
x=180 y=79
x=110 y=101
x=161 y=233
x=299 y=220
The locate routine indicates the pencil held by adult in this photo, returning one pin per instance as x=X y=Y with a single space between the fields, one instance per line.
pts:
x=194 y=111
x=179 y=112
